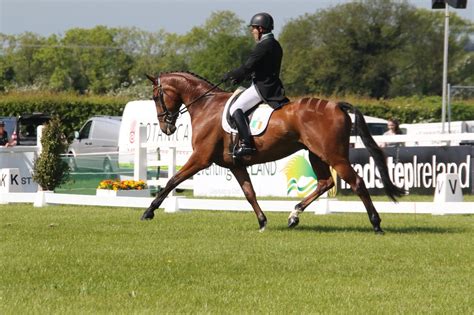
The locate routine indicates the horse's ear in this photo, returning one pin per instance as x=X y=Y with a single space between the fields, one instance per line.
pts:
x=152 y=79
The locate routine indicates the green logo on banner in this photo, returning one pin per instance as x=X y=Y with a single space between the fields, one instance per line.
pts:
x=300 y=177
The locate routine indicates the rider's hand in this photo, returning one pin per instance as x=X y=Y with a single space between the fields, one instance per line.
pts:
x=226 y=77
x=235 y=76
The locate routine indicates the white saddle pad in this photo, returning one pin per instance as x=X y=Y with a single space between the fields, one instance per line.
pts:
x=258 y=118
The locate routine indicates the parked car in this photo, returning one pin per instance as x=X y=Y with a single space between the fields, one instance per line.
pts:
x=22 y=129
x=27 y=125
x=95 y=145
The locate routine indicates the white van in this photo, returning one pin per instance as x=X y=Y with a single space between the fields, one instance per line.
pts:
x=95 y=145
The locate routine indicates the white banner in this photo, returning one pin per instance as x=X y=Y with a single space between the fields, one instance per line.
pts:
x=292 y=176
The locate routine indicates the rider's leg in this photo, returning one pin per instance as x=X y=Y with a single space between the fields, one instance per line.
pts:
x=248 y=99
x=246 y=147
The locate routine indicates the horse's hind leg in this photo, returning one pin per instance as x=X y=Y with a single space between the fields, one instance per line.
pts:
x=243 y=178
x=325 y=182
x=347 y=173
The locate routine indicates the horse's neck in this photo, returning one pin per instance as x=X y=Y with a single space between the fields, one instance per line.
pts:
x=189 y=90
x=208 y=106
x=192 y=93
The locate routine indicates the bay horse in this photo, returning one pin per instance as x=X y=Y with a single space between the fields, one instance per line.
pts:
x=322 y=127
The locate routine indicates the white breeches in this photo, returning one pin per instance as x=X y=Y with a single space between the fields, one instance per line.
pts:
x=248 y=99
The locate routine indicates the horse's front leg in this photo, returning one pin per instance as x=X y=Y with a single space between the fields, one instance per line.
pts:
x=243 y=178
x=192 y=166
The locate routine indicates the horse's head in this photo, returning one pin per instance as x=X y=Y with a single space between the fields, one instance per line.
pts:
x=167 y=104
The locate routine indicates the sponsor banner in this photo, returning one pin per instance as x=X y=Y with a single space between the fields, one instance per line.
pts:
x=414 y=168
x=216 y=181
x=180 y=138
x=289 y=177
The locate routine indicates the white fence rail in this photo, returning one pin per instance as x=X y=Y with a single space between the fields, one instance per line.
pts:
x=173 y=204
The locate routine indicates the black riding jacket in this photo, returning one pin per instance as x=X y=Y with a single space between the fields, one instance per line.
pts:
x=263 y=65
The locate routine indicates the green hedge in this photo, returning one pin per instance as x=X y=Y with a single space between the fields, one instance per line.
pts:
x=74 y=109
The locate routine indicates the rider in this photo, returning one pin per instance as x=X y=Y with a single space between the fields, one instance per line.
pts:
x=263 y=65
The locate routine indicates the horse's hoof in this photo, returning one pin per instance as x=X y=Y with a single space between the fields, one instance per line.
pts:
x=148 y=216
x=263 y=225
x=379 y=231
x=293 y=221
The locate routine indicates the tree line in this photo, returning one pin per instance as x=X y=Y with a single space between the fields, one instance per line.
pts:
x=374 y=48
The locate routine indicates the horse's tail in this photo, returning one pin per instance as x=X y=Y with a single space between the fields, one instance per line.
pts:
x=377 y=154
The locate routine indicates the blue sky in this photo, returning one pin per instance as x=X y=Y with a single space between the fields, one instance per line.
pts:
x=47 y=17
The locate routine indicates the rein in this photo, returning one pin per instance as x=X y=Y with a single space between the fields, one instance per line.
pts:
x=169 y=117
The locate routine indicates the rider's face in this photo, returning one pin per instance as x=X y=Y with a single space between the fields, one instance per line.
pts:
x=255 y=33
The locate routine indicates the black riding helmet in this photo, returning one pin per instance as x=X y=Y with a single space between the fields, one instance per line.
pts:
x=264 y=20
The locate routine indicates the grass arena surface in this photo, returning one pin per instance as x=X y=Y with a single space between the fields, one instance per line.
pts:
x=70 y=259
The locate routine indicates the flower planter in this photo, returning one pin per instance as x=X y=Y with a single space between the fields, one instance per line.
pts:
x=123 y=193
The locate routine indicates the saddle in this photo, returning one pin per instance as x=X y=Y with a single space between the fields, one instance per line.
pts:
x=258 y=116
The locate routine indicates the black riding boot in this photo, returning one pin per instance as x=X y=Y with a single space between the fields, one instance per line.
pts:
x=245 y=147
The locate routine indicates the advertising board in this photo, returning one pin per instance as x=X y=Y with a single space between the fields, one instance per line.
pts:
x=22 y=160
x=292 y=176
x=414 y=168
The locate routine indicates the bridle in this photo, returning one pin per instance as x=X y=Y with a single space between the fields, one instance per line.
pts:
x=170 y=117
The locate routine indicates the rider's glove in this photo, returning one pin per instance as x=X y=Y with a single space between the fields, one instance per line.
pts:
x=235 y=76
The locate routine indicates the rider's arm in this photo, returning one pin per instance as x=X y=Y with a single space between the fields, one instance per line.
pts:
x=257 y=54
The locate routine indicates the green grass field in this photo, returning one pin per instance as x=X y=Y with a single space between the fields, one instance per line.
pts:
x=69 y=259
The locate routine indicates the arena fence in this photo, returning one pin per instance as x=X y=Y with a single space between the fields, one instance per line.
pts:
x=174 y=203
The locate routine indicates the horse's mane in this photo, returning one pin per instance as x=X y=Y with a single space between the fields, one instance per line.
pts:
x=191 y=73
